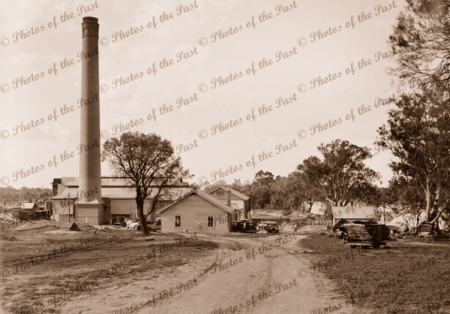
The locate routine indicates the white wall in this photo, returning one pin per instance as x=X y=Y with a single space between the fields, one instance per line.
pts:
x=194 y=211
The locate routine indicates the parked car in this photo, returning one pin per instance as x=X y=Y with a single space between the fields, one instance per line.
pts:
x=271 y=227
x=153 y=225
x=119 y=222
x=245 y=226
x=132 y=223
x=261 y=226
x=363 y=231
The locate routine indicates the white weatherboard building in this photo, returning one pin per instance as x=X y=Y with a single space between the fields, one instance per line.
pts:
x=197 y=211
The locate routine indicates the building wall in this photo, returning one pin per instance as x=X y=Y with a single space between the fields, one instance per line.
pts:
x=114 y=207
x=224 y=196
x=126 y=207
x=236 y=202
x=62 y=209
x=194 y=210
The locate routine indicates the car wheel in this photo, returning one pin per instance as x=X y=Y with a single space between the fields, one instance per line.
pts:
x=345 y=237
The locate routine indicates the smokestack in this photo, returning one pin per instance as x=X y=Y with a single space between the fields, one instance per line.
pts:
x=90 y=199
x=229 y=198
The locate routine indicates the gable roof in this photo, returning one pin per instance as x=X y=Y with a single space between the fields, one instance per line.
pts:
x=234 y=192
x=206 y=197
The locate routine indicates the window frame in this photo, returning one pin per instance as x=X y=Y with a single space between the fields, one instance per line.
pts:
x=212 y=221
x=176 y=221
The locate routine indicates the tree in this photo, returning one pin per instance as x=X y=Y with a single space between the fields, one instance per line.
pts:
x=302 y=192
x=404 y=195
x=261 y=189
x=216 y=184
x=341 y=177
x=148 y=162
x=237 y=185
x=418 y=134
x=279 y=193
x=421 y=43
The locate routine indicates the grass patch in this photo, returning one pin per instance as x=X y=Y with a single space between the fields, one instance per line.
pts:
x=80 y=272
x=398 y=280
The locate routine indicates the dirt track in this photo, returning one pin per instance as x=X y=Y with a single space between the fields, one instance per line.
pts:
x=232 y=289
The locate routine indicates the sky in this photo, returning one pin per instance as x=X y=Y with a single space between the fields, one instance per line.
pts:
x=225 y=60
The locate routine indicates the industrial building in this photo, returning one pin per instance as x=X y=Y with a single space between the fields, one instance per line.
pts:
x=91 y=198
x=117 y=196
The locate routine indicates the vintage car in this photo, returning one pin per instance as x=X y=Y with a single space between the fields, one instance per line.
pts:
x=362 y=231
x=271 y=227
x=132 y=223
x=245 y=225
x=119 y=221
x=153 y=225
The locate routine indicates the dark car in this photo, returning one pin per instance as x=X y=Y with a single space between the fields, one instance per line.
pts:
x=236 y=226
x=120 y=222
x=246 y=226
x=363 y=231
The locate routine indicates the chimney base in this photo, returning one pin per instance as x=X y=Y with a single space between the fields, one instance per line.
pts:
x=93 y=211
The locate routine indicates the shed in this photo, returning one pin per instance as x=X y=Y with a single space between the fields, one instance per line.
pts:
x=30 y=207
x=353 y=212
x=197 y=211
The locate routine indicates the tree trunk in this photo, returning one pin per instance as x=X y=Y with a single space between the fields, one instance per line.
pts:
x=428 y=196
x=142 y=217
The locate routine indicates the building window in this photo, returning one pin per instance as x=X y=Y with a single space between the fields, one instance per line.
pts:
x=177 y=221
x=210 y=221
x=220 y=193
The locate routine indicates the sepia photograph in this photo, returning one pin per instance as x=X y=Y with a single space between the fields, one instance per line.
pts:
x=225 y=157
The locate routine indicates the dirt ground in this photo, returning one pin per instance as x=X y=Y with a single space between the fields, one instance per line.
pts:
x=120 y=272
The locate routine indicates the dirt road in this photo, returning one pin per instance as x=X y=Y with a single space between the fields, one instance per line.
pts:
x=250 y=275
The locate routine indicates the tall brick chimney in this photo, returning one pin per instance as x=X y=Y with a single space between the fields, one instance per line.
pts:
x=90 y=204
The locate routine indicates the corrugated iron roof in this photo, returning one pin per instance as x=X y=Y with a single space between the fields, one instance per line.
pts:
x=109 y=181
x=119 y=192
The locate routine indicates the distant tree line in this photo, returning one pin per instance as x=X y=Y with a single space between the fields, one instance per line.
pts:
x=417 y=133
x=10 y=196
x=338 y=178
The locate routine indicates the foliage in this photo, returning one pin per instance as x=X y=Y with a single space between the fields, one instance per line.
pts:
x=418 y=134
x=341 y=177
x=210 y=187
x=260 y=192
x=149 y=164
x=421 y=44
x=10 y=196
